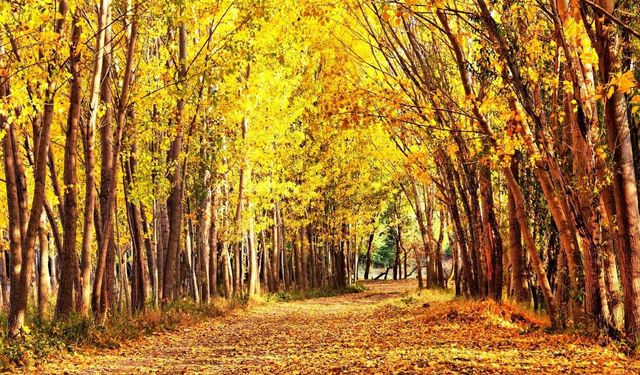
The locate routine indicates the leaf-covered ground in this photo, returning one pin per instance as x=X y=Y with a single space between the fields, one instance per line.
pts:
x=386 y=329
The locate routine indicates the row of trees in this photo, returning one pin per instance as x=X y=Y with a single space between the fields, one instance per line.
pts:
x=160 y=150
x=521 y=118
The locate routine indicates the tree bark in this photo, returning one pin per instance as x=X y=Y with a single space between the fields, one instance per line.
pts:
x=204 y=244
x=69 y=259
x=213 y=245
x=90 y=185
x=275 y=259
x=174 y=202
x=519 y=286
x=106 y=169
x=494 y=240
x=625 y=192
x=367 y=266
x=104 y=276
x=44 y=278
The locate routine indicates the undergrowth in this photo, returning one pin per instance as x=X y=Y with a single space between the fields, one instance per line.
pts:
x=308 y=294
x=42 y=338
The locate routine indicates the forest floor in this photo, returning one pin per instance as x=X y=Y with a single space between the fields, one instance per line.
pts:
x=388 y=328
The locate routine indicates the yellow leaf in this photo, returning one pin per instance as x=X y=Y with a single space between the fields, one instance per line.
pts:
x=626 y=82
x=610 y=91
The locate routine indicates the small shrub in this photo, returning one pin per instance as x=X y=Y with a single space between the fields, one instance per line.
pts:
x=408 y=300
x=357 y=287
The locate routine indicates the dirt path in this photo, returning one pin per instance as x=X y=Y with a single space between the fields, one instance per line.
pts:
x=383 y=330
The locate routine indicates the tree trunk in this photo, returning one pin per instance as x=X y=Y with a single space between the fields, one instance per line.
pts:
x=519 y=286
x=44 y=278
x=69 y=260
x=541 y=276
x=284 y=263
x=204 y=247
x=627 y=213
x=89 y=142
x=15 y=231
x=106 y=169
x=305 y=249
x=297 y=252
x=275 y=259
x=460 y=233
x=438 y=254
x=174 y=202
x=494 y=258
x=28 y=225
x=254 y=271
x=142 y=280
x=267 y=280
x=213 y=246
x=104 y=277
x=424 y=236
x=192 y=265
x=151 y=264
x=367 y=266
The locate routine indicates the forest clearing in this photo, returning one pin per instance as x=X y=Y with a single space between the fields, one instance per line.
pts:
x=385 y=329
x=173 y=168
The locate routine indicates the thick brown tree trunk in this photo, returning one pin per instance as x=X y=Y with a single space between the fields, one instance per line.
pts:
x=14 y=231
x=69 y=259
x=627 y=213
x=612 y=285
x=90 y=160
x=584 y=171
x=106 y=169
x=519 y=285
x=171 y=283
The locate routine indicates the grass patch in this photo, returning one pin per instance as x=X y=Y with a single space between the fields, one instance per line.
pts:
x=423 y=296
x=310 y=294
